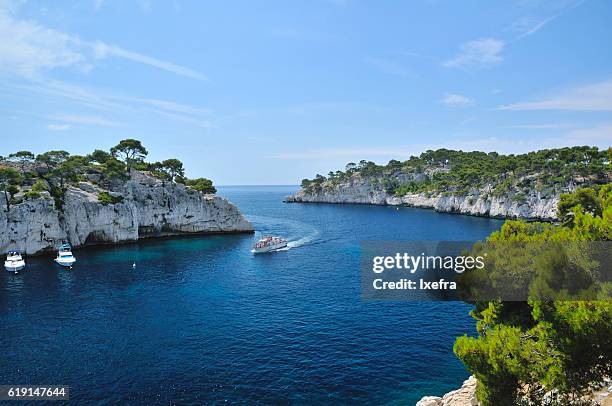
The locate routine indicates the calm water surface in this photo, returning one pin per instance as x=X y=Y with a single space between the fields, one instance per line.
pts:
x=201 y=320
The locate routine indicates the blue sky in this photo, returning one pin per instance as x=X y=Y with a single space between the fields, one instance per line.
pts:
x=270 y=92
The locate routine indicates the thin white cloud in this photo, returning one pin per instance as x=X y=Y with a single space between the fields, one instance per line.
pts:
x=353 y=153
x=86 y=120
x=600 y=136
x=593 y=97
x=98 y=4
x=186 y=119
x=58 y=127
x=389 y=67
x=176 y=107
x=529 y=25
x=28 y=49
x=102 y=50
x=111 y=102
x=526 y=26
x=478 y=54
x=538 y=126
x=456 y=100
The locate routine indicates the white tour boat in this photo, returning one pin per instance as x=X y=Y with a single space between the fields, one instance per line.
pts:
x=14 y=262
x=268 y=244
x=64 y=256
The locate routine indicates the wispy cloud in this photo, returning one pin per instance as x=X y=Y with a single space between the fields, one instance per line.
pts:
x=109 y=103
x=87 y=120
x=351 y=153
x=389 y=67
x=528 y=25
x=29 y=49
x=176 y=107
x=593 y=97
x=538 y=126
x=102 y=50
x=599 y=135
x=478 y=54
x=58 y=127
x=456 y=100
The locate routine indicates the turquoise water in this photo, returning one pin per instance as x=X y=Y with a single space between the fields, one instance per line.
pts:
x=202 y=320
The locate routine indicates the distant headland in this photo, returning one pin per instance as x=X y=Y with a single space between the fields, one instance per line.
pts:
x=525 y=186
x=104 y=197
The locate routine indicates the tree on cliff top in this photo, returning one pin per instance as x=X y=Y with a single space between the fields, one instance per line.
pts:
x=52 y=159
x=172 y=168
x=99 y=156
x=23 y=158
x=130 y=151
x=9 y=177
x=202 y=185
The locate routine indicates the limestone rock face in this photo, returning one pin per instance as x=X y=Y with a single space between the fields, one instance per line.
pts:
x=478 y=202
x=464 y=396
x=145 y=207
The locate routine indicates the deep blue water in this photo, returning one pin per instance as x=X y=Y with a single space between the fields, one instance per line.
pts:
x=202 y=320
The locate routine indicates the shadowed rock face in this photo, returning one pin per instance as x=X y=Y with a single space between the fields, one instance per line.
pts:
x=148 y=208
x=478 y=202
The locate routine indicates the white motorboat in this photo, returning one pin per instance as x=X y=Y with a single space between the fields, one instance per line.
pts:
x=64 y=256
x=268 y=244
x=14 y=262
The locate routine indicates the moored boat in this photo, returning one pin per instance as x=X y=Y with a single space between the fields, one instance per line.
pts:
x=268 y=244
x=14 y=262
x=64 y=256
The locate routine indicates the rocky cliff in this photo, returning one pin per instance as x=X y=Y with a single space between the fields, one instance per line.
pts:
x=466 y=396
x=478 y=183
x=144 y=207
x=478 y=202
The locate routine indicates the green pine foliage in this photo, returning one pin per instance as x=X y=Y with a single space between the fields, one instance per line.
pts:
x=458 y=172
x=55 y=171
x=546 y=351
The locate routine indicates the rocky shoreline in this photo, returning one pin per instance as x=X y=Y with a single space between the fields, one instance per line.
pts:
x=466 y=396
x=478 y=202
x=144 y=207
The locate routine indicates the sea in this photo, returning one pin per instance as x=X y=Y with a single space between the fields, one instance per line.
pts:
x=202 y=320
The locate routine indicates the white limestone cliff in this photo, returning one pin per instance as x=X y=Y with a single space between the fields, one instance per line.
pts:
x=478 y=202
x=149 y=207
x=464 y=396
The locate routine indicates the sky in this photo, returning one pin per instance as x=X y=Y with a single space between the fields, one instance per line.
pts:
x=270 y=92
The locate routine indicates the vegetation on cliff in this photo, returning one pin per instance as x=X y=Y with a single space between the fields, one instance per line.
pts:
x=24 y=175
x=547 y=171
x=550 y=349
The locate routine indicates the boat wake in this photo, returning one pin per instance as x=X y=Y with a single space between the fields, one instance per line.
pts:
x=295 y=232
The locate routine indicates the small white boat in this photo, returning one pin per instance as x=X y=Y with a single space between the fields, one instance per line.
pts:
x=268 y=244
x=64 y=256
x=14 y=262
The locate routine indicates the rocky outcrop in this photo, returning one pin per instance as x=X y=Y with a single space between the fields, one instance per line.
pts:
x=477 y=202
x=464 y=396
x=144 y=207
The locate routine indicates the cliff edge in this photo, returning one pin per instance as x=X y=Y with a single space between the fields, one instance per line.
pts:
x=527 y=186
x=476 y=202
x=141 y=206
